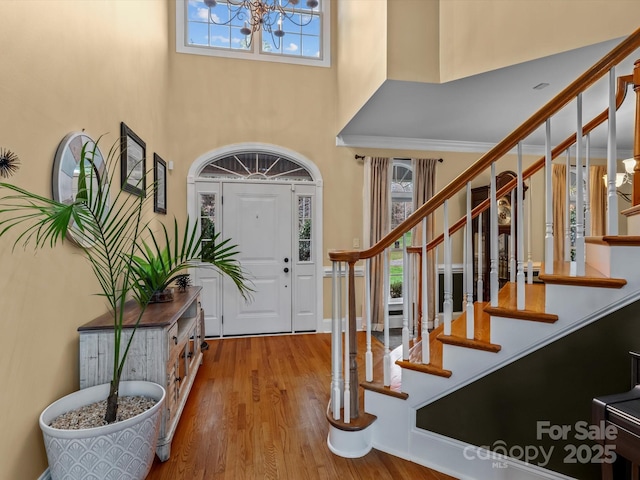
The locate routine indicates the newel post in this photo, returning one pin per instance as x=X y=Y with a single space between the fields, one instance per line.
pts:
x=636 y=136
x=353 y=340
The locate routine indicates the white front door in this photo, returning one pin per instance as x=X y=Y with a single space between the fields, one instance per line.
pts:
x=258 y=218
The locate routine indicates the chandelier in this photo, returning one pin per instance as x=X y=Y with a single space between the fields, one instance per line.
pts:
x=267 y=15
x=624 y=177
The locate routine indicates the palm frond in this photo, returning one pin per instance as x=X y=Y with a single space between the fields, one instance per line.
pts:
x=109 y=234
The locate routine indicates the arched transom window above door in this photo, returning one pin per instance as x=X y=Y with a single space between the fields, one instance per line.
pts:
x=256 y=166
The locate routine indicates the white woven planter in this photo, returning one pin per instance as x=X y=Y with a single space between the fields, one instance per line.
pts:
x=122 y=450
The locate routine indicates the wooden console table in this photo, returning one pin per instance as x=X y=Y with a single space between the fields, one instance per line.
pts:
x=165 y=350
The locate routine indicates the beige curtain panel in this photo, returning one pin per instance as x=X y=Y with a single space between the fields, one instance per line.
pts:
x=597 y=205
x=379 y=192
x=424 y=185
x=558 y=185
x=598 y=200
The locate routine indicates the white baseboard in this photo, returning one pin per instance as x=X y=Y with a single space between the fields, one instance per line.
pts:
x=468 y=462
x=326 y=325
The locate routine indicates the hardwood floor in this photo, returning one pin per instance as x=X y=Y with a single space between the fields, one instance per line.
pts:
x=257 y=411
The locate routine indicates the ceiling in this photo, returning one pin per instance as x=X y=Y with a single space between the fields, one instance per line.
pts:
x=474 y=113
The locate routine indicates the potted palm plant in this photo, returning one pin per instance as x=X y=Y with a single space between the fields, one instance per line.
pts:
x=111 y=236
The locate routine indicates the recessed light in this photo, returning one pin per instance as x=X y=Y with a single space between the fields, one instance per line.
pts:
x=540 y=86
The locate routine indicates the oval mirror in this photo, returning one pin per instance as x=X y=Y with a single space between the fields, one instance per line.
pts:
x=66 y=169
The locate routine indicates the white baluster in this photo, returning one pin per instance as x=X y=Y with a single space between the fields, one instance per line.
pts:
x=405 y=302
x=436 y=287
x=529 y=225
x=480 y=283
x=410 y=292
x=425 y=299
x=386 y=363
x=567 y=216
x=347 y=372
x=512 y=238
x=493 y=241
x=548 y=192
x=579 y=193
x=336 y=342
x=448 y=276
x=587 y=186
x=469 y=267
x=612 y=155
x=367 y=306
x=520 y=233
x=464 y=268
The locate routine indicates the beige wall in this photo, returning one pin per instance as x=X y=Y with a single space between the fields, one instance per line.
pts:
x=361 y=54
x=478 y=36
x=413 y=32
x=67 y=66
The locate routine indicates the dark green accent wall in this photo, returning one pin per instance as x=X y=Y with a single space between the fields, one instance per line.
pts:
x=555 y=383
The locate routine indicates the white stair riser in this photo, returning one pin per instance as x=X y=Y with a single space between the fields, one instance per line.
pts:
x=613 y=261
x=393 y=422
x=598 y=256
x=633 y=225
x=515 y=335
x=572 y=302
x=421 y=387
x=467 y=360
x=624 y=263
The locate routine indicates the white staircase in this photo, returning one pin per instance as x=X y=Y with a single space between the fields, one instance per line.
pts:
x=394 y=430
x=520 y=318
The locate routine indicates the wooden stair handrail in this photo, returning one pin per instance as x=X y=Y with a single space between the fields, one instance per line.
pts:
x=623 y=82
x=588 y=78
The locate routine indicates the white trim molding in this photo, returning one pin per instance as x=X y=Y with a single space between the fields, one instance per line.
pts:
x=435 y=145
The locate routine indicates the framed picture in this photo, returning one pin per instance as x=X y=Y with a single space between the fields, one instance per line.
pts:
x=132 y=162
x=159 y=184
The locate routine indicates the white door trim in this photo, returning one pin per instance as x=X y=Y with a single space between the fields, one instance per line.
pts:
x=203 y=160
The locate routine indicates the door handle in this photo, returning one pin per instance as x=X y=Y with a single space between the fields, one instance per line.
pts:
x=286 y=270
x=286 y=260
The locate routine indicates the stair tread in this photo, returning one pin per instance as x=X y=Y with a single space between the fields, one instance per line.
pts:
x=482 y=331
x=469 y=343
x=424 y=368
x=564 y=269
x=379 y=387
x=435 y=354
x=482 y=334
x=562 y=275
x=363 y=421
x=534 y=306
x=618 y=240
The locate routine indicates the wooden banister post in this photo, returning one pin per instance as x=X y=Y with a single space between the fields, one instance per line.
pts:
x=636 y=136
x=353 y=342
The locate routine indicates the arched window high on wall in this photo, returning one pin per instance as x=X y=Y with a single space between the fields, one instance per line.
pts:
x=268 y=201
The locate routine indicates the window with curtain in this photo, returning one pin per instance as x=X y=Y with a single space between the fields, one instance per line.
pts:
x=573 y=190
x=401 y=208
